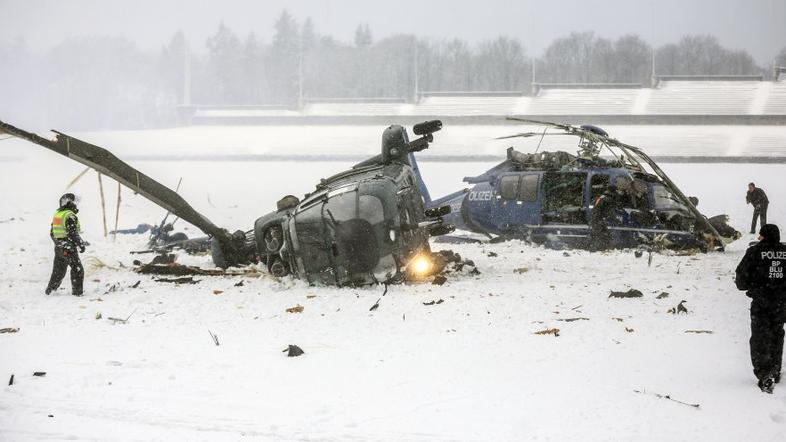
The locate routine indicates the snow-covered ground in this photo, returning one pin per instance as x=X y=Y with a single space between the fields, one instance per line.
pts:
x=469 y=368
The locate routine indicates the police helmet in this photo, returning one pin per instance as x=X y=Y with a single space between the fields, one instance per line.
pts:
x=68 y=199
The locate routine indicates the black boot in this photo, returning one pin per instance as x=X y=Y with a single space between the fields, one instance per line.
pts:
x=767 y=385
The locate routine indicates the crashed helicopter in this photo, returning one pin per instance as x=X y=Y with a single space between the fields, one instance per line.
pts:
x=548 y=197
x=361 y=226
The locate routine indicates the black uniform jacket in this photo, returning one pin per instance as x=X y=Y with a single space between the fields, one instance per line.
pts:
x=757 y=197
x=761 y=272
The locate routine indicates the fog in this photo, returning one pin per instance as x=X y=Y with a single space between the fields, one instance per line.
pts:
x=90 y=64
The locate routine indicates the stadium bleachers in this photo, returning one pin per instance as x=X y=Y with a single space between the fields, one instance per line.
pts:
x=467 y=105
x=776 y=100
x=668 y=102
x=702 y=98
x=355 y=109
x=573 y=101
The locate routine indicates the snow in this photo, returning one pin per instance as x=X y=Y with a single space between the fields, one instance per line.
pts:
x=470 y=368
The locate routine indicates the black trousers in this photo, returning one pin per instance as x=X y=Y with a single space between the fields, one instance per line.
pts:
x=759 y=212
x=65 y=258
x=767 y=319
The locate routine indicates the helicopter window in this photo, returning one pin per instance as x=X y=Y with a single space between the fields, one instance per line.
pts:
x=342 y=206
x=665 y=200
x=563 y=198
x=509 y=187
x=528 y=190
x=371 y=210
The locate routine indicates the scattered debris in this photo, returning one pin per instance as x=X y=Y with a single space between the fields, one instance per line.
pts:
x=548 y=331
x=439 y=280
x=164 y=258
x=629 y=330
x=9 y=330
x=121 y=321
x=666 y=396
x=11 y=381
x=39 y=374
x=638 y=253
x=98 y=315
x=239 y=284
x=293 y=351
x=439 y=301
x=183 y=280
x=662 y=295
x=709 y=332
x=618 y=319
x=492 y=255
x=136 y=284
x=572 y=319
x=296 y=309
x=577 y=307
x=311 y=296
x=632 y=293
x=175 y=269
x=213 y=337
x=680 y=308
x=375 y=306
x=565 y=254
x=218 y=292
x=521 y=270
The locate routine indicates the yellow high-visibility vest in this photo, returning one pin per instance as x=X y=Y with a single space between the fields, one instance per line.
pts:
x=59 y=230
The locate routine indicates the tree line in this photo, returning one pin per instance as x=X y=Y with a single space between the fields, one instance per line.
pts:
x=100 y=82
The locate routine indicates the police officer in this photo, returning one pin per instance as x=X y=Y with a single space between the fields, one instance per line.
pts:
x=602 y=212
x=64 y=231
x=758 y=198
x=761 y=273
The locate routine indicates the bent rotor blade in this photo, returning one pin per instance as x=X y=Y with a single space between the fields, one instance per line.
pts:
x=108 y=164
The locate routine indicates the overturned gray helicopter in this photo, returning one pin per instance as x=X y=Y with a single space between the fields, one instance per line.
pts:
x=550 y=198
x=365 y=225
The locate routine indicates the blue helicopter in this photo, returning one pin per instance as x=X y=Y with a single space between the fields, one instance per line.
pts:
x=549 y=198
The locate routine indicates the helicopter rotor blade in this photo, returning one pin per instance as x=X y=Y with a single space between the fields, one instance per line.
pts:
x=531 y=134
x=542 y=123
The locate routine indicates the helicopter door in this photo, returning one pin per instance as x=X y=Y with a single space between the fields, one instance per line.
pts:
x=517 y=201
x=563 y=200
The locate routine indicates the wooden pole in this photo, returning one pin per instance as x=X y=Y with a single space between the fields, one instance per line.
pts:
x=117 y=211
x=103 y=202
x=78 y=177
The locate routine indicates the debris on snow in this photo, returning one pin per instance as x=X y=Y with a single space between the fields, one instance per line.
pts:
x=439 y=280
x=668 y=397
x=698 y=332
x=11 y=381
x=548 y=331
x=680 y=308
x=296 y=309
x=662 y=295
x=183 y=280
x=9 y=330
x=521 y=270
x=375 y=306
x=39 y=374
x=121 y=321
x=294 y=351
x=572 y=319
x=213 y=337
x=440 y=301
x=632 y=293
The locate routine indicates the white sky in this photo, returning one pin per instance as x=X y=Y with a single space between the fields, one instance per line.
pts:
x=756 y=25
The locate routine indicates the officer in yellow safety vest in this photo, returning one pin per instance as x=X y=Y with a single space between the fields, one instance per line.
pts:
x=64 y=232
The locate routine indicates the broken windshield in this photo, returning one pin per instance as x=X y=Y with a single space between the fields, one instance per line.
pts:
x=665 y=199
